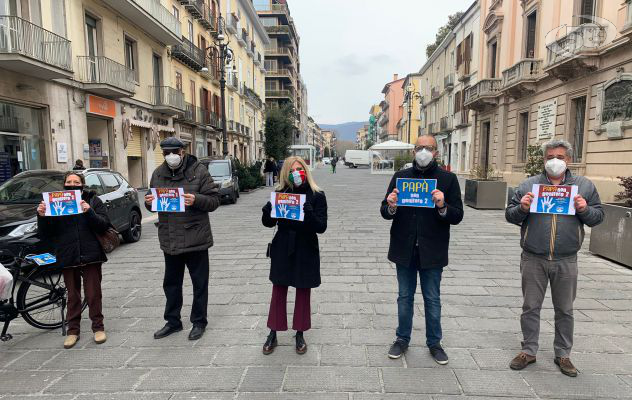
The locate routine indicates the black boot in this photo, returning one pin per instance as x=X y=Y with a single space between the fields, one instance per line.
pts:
x=301 y=346
x=270 y=344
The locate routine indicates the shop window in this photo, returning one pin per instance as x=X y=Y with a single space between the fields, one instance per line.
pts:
x=110 y=182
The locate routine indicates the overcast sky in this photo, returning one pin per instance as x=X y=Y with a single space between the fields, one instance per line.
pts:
x=350 y=49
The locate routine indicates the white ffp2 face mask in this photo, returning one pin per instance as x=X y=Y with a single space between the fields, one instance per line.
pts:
x=555 y=167
x=173 y=160
x=423 y=157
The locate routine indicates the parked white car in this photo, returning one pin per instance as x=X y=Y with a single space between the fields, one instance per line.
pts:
x=326 y=160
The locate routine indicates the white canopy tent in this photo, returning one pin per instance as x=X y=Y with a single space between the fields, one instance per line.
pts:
x=306 y=152
x=382 y=155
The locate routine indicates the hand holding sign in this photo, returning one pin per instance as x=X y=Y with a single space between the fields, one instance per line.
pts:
x=392 y=198
x=41 y=209
x=189 y=199
x=84 y=206
x=525 y=202
x=438 y=198
x=580 y=203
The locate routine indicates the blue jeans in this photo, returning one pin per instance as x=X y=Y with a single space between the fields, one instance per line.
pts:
x=431 y=291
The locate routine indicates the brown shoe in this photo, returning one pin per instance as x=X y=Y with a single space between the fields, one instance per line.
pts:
x=566 y=366
x=521 y=361
x=71 y=341
x=270 y=344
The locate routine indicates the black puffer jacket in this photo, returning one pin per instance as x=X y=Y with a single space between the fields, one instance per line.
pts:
x=73 y=237
x=191 y=230
x=294 y=253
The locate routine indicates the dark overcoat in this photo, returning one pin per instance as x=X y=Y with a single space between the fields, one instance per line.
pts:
x=294 y=252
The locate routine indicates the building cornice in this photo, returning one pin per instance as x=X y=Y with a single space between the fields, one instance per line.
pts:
x=254 y=18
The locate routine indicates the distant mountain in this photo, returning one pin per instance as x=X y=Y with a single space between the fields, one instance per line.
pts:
x=346 y=131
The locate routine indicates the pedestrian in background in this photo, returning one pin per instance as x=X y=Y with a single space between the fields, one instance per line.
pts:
x=78 y=165
x=294 y=253
x=269 y=171
x=420 y=239
x=334 y=162
x=550 y=244
x=185 y=237
x=79 y=253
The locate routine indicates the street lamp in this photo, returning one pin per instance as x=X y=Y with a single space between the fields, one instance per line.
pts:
x=411 y=95
x=226 y=56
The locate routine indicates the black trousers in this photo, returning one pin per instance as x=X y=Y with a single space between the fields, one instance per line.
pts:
x=197 y=264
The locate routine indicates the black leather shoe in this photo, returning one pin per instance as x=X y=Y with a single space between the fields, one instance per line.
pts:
x=301 y=346
x=270 y=344
x=166 y=331
x=196 y=332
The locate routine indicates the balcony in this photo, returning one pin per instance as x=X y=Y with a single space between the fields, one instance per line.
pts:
x=29 y=49
x=483 y=94
x=189 y=114
x=279 y=94
x=463 y=71
x=278 y=30
x=446 y=124
x=280 y=73
x=203 y=116
x=252 y=50
x=231 y=24
x=150 y=16
x=212 y=73
x=231 y=126
x=258 y=59
x=243 y=39
x=461 y=118
x=434 y=93
x=448 y=82
x=189 y=54
x=577 y=53
x=232 y=82
x=383 y=119
x=433 y=128
x=167 y=100
x=279 y=52
x=215 y=121
x=384 y=105
x=253 y=98
x=106 y=77
x=520 y=79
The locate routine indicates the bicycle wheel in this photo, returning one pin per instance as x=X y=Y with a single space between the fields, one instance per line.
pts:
x=41 y=306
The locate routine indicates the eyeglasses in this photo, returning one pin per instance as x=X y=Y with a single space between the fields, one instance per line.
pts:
x=429 y=148
x=167 y=152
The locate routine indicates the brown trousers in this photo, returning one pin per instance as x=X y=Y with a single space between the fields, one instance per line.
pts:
x=92 y=288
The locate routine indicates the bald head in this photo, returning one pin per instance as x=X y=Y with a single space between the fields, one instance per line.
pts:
x=426 y=140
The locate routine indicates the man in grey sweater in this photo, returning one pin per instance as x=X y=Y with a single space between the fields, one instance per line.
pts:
x=550 y=243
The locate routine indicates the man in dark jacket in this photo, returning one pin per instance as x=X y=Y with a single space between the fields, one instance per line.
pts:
x=269 y=169
x=419 y=245
x=550 y=244
x=185 y=237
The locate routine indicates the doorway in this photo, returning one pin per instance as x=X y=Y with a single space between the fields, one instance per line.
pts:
x=101 y=151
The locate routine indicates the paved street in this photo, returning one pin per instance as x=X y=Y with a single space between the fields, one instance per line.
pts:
x=354 y=318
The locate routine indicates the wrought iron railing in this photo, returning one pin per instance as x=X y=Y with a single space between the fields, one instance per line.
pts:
x=461 y=118
x=189 y=54
x=162 y=14
x=448 y=81
x=278 y=93
x=166 y=96
x=102 y=70
x=18 y=36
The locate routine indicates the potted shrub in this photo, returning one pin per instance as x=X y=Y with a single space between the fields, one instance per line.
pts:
x=534 y=166
x=486 y=191
x=612 y=239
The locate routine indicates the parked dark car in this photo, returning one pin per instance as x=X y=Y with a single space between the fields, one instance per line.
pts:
x=224 y=174
x=20 y=196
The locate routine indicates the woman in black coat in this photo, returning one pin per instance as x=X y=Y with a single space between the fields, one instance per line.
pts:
x=79 y=252
x=294 y=253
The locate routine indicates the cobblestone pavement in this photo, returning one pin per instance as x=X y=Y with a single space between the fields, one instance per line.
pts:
x=354 y=318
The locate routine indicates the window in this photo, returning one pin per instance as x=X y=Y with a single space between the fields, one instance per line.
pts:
x=532 y=20
x=58 y=14
x=493 y=48
x=35 y=12
x=110 y=182
x=270 y=65
x=271 y=85
x=192 y=87
x=231 y=109
x=176 y=12
x=578 y=126
x=130 y=56
x=628 y=19
x=269 y=21
x=522 y=140
x=94 y=184
x=178 y=81
x=91 y=36
x=586 y=11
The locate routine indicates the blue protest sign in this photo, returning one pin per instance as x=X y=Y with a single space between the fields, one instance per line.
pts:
x=58 y=204
x=42 y=259
x=416 y=192
x=554 y=199
x=167 y=200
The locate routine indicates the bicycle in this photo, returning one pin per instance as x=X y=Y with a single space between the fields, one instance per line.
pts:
x=40 y=299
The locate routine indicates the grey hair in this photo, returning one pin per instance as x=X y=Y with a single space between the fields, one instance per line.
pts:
x=555 y=143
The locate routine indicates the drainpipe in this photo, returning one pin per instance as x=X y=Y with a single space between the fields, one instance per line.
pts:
x=72 y=144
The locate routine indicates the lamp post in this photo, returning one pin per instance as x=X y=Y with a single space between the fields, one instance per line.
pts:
x=411 y=95
x=226 y=57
